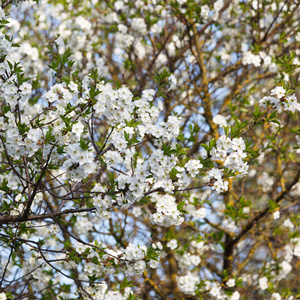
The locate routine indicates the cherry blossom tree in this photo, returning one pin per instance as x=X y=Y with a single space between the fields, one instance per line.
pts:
x=149 y=149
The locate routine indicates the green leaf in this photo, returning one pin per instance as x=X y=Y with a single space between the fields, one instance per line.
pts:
x=275 y=121
x=272 y=205
x=206 y=147
x=84 y=144
x=49 y=137
x=180 y=205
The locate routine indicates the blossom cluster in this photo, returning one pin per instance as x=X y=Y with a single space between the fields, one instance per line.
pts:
x=95 y=169
x=231 y=152
x=278 y=95
x=187 y=283
x=135 y=254
x=167 y=213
